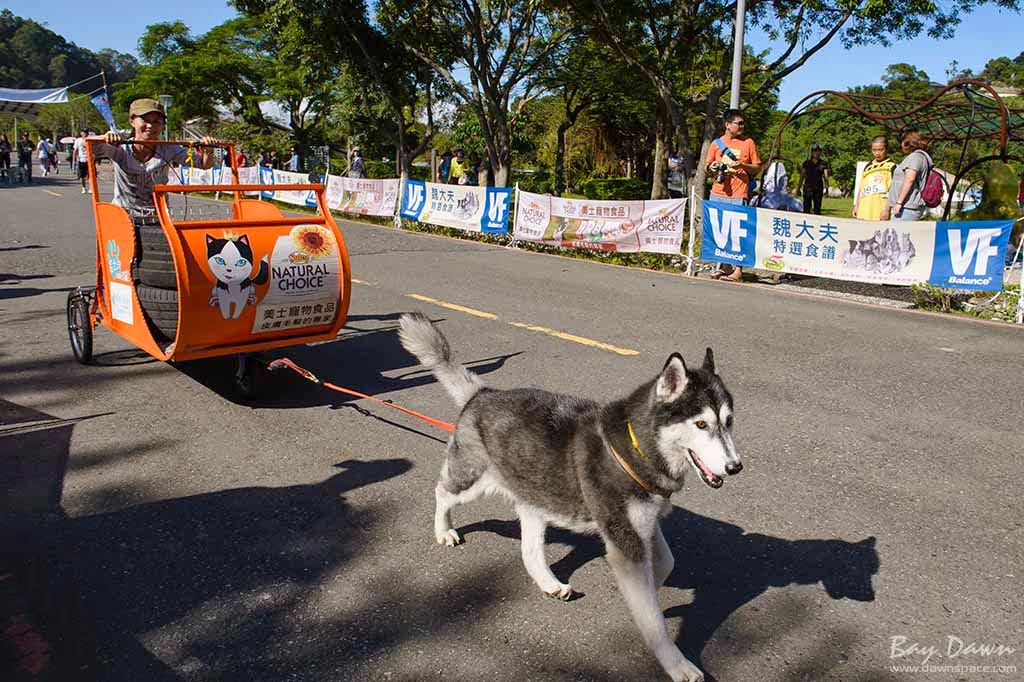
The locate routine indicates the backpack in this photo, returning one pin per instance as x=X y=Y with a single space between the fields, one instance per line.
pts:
x=931 y=193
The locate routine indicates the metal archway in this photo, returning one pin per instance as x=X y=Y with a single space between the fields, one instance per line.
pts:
x=964 y=110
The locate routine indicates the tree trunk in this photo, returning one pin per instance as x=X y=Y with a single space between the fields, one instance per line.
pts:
x=560 y=158
x=662 y=141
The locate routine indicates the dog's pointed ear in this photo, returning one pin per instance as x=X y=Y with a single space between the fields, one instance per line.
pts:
x=672 y=380
x=709 y=361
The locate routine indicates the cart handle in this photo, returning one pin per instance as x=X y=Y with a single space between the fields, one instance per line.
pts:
x=252 y=222
x=177 y=189
x=157 y=143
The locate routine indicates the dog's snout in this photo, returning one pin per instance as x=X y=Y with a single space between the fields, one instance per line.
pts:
x=733 y=468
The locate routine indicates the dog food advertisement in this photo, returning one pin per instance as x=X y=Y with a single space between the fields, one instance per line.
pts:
x=622 y=226
x=363 y=196
x=464 y=207
x=962 y=255
x=304 y=282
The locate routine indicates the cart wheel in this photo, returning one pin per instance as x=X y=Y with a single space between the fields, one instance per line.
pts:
x=80 y=327
x=247 y=376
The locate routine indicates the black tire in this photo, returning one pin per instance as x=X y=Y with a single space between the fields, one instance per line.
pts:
x=79 y=327
x=155 y=263
x=160 y=306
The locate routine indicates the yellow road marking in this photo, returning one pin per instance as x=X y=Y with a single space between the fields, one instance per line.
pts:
x=565 y=336
x=53 y=193
x=576 y=339
x=452 y=306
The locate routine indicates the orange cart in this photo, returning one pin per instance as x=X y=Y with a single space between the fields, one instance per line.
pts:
x=188 y=289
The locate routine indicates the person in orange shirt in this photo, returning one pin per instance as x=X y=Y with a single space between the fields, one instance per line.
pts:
x=732 y=161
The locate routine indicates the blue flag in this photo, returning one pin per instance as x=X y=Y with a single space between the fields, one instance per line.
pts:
x=103 y=106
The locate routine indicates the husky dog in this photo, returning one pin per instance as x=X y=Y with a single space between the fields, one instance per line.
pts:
x=607 y=469
x=231 y=260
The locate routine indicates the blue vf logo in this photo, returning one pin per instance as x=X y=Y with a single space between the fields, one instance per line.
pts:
x=495 y=219
x=414 y=199
x=970 y=255
x=729 y=233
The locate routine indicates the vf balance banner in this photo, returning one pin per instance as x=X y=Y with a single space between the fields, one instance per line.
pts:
x=624 y=226
x=466 y=207
x=962 y=255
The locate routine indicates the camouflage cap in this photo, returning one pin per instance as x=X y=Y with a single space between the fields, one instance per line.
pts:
x=141 y=107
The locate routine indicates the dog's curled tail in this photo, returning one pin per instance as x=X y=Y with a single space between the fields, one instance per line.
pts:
x=423 y=340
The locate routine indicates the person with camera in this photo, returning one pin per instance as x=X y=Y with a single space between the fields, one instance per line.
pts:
x=732 y=161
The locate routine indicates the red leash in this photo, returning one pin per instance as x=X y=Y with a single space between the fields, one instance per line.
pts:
x=306 y=374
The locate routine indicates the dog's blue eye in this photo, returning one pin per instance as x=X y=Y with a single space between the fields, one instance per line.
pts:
x=220 y=261
x=240 y=263
x=701 y=425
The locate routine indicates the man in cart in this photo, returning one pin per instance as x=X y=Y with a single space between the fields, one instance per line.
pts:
x=138 y=167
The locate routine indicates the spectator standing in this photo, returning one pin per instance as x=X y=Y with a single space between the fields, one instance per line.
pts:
x=675 y=175
x=25 y=149
x=44 y=150
x=79 y=163
x=275 y=160
x=813 y=179
x=875 y=181
x=265 y=159
x=5 y=158
x=239 y=157
x=295 y=162
x=357 y=167
x=457 y=174
x=732 y=160
x=908 y=178
x=474 y=169
x=444 y=170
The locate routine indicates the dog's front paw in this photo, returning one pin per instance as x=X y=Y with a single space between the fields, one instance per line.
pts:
x=563 y=592
x=449 y=538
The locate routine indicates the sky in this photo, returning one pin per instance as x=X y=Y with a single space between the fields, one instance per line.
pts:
x=118 y=24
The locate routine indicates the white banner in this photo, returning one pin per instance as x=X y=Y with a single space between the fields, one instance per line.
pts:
x=297 y=198
x=465 y=207
x=623 y=226
x=964 y=255
x=363 y=195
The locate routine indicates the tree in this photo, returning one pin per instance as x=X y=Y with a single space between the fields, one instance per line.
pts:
x=341 y=31
x=680 y=41
x=226 y=67
x=499 y=43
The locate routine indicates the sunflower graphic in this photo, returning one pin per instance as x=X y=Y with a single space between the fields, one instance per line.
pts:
x=313 y=240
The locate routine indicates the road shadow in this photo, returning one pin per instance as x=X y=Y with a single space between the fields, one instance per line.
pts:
x=359 y=360
x=242 y=558
x=34 y=448
x=25 y=292
x=727 y=568
x=23 y=248
x=122 y=358
x=11 y=277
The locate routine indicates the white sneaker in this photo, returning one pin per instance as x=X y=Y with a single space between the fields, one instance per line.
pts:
x=83 y=190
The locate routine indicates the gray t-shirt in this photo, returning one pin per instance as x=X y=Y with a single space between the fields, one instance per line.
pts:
x=133 y=181
x=920 y=162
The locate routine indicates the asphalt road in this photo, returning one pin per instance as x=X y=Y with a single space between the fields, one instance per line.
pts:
x=291 y=538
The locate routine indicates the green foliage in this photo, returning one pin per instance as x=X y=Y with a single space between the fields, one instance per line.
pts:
x=1001 y=307
x=541 y=181
x=382 y=170
x=930 y=297
x=33 y=56
x=615 y=188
